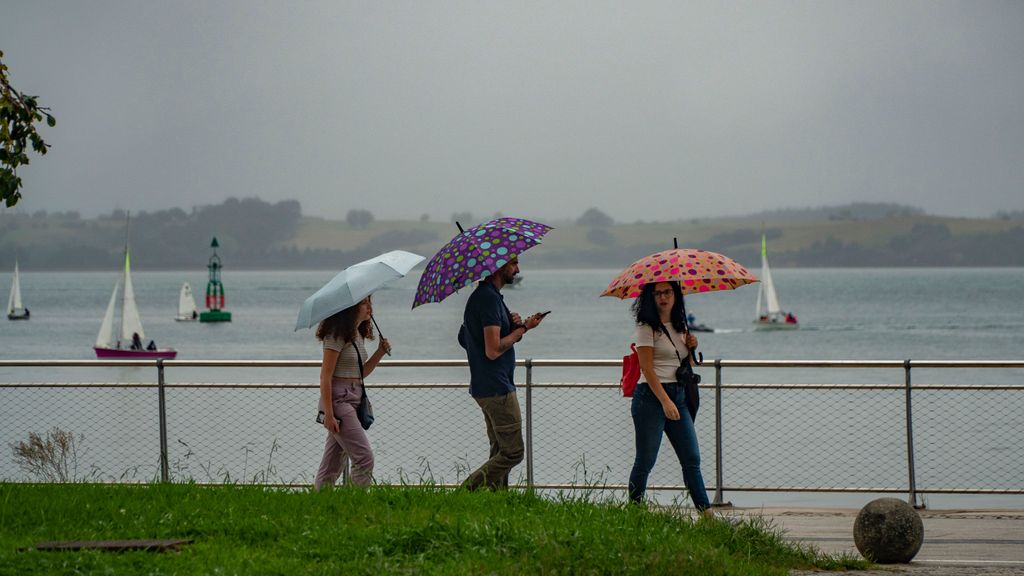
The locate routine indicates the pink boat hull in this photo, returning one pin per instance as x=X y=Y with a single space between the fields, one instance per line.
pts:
x=121 y=354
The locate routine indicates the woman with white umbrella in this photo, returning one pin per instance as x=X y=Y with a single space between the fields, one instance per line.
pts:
x=344 y=310
x=344 y=367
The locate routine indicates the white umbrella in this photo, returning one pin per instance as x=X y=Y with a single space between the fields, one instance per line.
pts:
x=353 y=284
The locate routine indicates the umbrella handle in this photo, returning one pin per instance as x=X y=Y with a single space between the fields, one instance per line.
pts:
x=698 y=360
x=374 y=320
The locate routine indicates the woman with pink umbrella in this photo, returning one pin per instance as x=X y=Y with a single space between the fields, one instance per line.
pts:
x=666 y=401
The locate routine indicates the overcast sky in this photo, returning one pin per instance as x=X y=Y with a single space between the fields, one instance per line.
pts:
x=646 y=110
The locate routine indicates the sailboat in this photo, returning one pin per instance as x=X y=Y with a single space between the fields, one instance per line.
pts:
x=770 y=316
x=15 y=309
x=130 y=344
x=187 y=311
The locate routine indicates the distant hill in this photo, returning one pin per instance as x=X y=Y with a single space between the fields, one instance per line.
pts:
x=258 y=235
x=858 y=211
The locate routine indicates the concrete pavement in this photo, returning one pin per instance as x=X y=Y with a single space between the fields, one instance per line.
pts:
x=969 y=542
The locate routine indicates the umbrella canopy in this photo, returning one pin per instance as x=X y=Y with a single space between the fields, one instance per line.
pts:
x=695 y=270
x=475 y=254
x=353 y=284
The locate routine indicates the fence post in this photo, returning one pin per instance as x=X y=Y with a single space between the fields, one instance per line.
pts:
x=529 y=423
x=164 y=469
x=912 y=497
x=719 y=500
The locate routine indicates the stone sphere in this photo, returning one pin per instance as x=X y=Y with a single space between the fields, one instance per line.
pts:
x=888 y=531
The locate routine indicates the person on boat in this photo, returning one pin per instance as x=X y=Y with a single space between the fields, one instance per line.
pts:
x=344 y=366
x=27 y=313
x=194 y=315
x=136 y=341
x=659 y=406
x=790 y=318
x=151 y=346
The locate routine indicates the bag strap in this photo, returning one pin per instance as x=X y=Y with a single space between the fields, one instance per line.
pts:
x=359 y=358
x=670 y=341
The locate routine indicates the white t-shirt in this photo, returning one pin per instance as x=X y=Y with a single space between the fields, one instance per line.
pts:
x=665 y=359
x=348 y=362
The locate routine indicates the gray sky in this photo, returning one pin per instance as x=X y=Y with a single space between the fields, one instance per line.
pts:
x=646 y=110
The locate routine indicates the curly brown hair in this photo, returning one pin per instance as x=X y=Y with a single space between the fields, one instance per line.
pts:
x=343 y=326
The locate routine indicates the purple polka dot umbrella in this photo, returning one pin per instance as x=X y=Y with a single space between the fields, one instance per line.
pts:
x=696 y=271
x=475 y=254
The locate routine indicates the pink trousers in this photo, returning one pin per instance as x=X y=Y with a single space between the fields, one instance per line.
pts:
x=350 y=442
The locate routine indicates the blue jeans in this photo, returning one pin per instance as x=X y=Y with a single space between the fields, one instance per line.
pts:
x=649 y=422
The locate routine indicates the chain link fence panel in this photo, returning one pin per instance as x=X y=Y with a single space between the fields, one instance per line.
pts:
x=774 y=437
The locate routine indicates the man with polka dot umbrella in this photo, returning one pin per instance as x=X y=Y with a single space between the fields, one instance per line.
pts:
x=488 y=253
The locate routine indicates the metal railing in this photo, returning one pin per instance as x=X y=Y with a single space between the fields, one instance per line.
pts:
x=778 y=427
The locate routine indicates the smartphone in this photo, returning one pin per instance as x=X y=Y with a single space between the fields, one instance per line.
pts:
x=320 y=418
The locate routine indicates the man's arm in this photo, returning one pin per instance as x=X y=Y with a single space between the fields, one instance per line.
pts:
x=495 y=345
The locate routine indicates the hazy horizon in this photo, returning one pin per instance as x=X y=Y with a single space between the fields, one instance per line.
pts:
x=646 y=111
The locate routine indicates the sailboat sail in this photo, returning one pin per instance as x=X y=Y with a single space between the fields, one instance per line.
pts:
x=186 y=302
x=14 y=302
x=760 y=293
x=131 y=324
x=105 y=339
x=771 y=298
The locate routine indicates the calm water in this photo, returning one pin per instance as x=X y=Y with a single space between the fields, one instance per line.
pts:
x=845 y=314
x=935 y=314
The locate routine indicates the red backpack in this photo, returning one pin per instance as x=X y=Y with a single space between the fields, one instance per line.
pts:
x=630 y=372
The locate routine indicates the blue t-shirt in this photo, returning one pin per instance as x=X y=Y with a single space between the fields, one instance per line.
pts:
x=486 y=307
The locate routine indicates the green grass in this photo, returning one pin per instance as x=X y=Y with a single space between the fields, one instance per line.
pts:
x=255 y=530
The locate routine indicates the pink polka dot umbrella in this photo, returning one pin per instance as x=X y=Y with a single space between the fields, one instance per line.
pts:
x=696 y=271
x=475 y=254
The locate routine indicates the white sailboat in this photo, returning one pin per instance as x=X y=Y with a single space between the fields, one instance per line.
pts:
x=130 y=343
x=187 y=310
x=770 y=315
x=15 y=309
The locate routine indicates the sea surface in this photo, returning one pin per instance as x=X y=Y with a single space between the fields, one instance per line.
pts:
x=845 y=314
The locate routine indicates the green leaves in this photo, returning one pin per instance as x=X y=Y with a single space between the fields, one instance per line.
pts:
x=18 y=115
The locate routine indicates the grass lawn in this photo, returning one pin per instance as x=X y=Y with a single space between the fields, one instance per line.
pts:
x=256 y=530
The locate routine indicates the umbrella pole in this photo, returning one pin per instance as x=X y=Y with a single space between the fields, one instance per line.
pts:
x=686 y=321
x=374 y=320
x=682 y=299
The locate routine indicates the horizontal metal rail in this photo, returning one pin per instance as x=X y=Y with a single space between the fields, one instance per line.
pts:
x=555 y=363
x=536 y=385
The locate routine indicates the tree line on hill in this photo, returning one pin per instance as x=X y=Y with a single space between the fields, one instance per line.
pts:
x=250 y=229
x=254 y=234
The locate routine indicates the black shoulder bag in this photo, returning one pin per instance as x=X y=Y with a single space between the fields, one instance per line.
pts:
x=687 y=378
x=364 y=411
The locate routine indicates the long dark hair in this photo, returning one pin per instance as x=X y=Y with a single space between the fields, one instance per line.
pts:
x=343 y=326
x=645 y=310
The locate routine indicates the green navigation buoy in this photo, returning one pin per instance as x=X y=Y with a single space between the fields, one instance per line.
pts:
x=214 y=291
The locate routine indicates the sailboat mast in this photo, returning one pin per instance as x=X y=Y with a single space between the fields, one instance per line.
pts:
x=124 y=273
